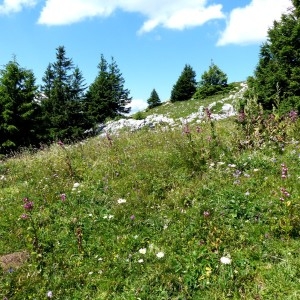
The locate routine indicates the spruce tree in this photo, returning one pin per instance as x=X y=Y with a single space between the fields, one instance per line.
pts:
x=18 y=108
x=63 y=115
x=107 y=97
x=212 y=82
x=154 y=99
x=185 y=86
x=277 y=75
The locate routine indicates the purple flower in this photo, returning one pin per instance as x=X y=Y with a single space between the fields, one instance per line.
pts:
x=24 y=216
x=28 y=204
x=63 y=197
x=293 y=115
x=284 y=171
x=132 y=217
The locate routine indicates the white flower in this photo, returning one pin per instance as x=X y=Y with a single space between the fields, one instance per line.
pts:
x=140 y=261
x=108 y=217
x=120 y=201
x=76 y=185
x=160 y=254
x=143 y=250
x=255 y=170
x=225 y=260
x=90 y=273
x=49 y=294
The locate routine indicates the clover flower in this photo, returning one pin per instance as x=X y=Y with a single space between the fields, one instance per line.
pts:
x=160 y=255
x=143 y=250
x=225 y=260
x=28 y=205
x=49 y=294
x=120 y=201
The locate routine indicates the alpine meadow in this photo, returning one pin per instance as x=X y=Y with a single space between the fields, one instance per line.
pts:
x=193 y=198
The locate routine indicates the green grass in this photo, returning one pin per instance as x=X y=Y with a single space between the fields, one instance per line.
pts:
x=182 y=109
x=195 y=197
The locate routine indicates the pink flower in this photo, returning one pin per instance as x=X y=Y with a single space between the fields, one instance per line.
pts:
x=63 y=197
x=28 y=204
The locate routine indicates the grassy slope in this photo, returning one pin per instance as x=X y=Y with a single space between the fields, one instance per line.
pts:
x=194 y=197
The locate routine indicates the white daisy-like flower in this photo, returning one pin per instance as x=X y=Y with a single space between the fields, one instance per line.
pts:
x=225 y=260
x=76 y=185
x=160 y=255
x=108 y=217
x=121 y=200
x=143 y=250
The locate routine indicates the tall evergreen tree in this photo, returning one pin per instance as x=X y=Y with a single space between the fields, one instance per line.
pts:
x=154 y=99
x=18 y=108
x=107 y=96
x=277 y=75
x=63 y=89
x=212 y=82
x=185 y=86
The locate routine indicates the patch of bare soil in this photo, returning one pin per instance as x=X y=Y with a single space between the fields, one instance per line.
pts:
x=13 y=260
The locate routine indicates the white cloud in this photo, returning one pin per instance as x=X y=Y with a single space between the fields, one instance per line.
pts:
x=250 y=24
x=13 y=6
x=137 y=105
x=174 y=14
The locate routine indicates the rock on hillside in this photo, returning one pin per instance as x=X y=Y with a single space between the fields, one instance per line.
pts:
x=152 y=121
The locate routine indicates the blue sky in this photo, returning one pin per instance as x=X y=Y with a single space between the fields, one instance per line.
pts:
x=151 y=40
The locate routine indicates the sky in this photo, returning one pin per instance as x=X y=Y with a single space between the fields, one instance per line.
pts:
x=150 y=40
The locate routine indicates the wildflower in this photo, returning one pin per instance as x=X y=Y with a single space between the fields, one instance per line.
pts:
x=160 y=255
x=186 y=129
x=49 y=294
x=206 y=214
x=60 y=143
x=143 y=250
x=225 y=260
x=108 y=217
x=208 y=113
x=140 y=261
x=63 y=197
x=24 y=216
x=120 y=201
x=293 y=115
x=284 y=171
x=247 y=193
x=76 y=185
x=28 y=204
x=132 y=217
x=90 y=273
x=255 y=170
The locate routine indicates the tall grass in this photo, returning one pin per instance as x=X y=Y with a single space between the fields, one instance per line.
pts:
x=207 y=211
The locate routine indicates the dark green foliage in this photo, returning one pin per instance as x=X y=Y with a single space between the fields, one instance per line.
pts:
x=106 y=96
x=154 y=99
x=212 y=82
x=277 y=75
x=18 y=108
x=62 y=106
x=185 y=86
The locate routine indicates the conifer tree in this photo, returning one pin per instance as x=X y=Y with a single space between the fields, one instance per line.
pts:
x=185 y=86
x=18 y=108
x=62 y=107
x=277 y=75
x=154 y=99
x=107 y=97
x=212 y=82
